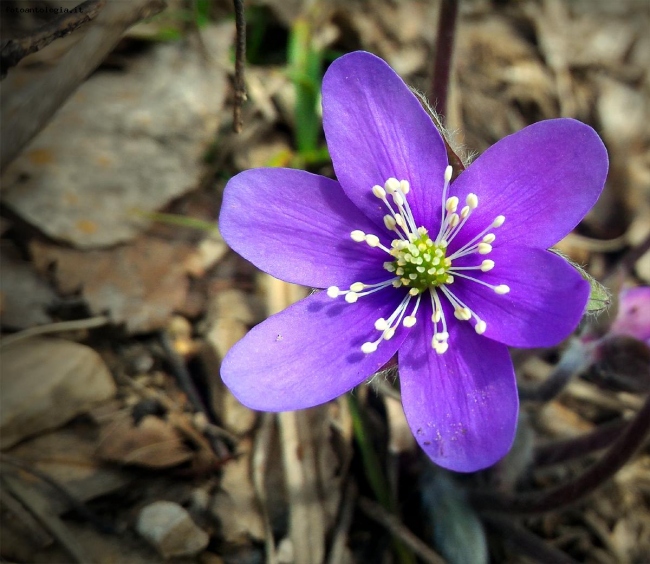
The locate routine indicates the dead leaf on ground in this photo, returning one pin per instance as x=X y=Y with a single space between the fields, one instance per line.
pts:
x=140 y=284
x=152 y=442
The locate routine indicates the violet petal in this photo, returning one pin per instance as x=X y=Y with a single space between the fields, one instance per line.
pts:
x=543 y=179
x=296 y=226
x=309 y=353
x=461 y=405
x=377 y=129
x=546 y=301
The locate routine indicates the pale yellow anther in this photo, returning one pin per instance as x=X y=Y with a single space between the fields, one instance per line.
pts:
x=464 y=212
x=372 y=240
x=391 y=185
x=368 y=348
x=351 y=297
x=358 y=236
x=472 y=200
x=381 y=324
x=409 y=321
x=487 y=265
x=484 y=248
x=389 y=222
x=452 y=204
x=398 y=199
x=502 y=289
x=333 y=292
x=498 y=222
x=357 y=287
x=405 y=186
x=388 y=334
x=414 y=292
x=480 y=327
x=489 y=238
x=379 y=192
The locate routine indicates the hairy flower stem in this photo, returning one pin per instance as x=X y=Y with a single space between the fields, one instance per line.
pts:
x=444 y=53
x=523 y=541
x=574 y=359
x=555 y=452
x=538 y=502
x=376 y=478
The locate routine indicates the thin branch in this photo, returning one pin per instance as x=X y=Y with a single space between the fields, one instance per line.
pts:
x=555 y=452
x=240 y=59
x=56 y=327
x=524 y=542
x=14 y=50
x=395 y=527
x=442 y=65
x=629 y=441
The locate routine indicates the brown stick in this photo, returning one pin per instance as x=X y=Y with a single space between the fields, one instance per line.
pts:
x=14 y=50
x=240 y=58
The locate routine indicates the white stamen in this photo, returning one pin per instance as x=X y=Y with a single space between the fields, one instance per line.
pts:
x=409 y=321
x=381 y=324
x=405 y=186
x=480 y=327
x=452 y=204
x=372 y=240
x=333 y=292
x=379 y=192
x=502 y=289
x=489 y=238
x=358 y=236
x=391 y=185
x=357 y=287
x=487 y=265
x=498 y=222
x=389 y=222
x=484 y=248
x=472 y=201
x=368 y=348
x=351 y=297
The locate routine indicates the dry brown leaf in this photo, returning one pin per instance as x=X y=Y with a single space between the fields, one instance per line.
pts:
x=153 y=443
x=140 y=284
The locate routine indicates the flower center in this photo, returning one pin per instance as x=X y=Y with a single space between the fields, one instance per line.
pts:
x=421 y=264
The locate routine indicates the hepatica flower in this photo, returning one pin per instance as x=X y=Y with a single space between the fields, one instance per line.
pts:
x=444 y=274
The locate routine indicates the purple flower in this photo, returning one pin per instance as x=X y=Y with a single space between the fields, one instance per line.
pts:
x=633 y=317
x=448 y=274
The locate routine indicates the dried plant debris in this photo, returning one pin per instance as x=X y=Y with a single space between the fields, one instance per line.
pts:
x=149 y=135
x=139 y=284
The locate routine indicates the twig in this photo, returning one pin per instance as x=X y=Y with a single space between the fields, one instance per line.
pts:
x=240 y=58
x=29 y=106
x=617 y=456
x=57 y=327
x=78 y=506
x=574 y=359
x=14 y=50
x=186 y=384
x=346 y=513
x=524 y=542
x=395 y=527
x=556 y=452
x=447 y=20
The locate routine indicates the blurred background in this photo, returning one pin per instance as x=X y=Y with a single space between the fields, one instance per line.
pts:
x=118 y=297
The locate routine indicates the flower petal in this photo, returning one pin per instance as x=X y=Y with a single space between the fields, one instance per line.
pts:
x=309 y=353
x=461 y=405
x=546 y=301
x=543 y=179
x=376 y=129
x=296 y=226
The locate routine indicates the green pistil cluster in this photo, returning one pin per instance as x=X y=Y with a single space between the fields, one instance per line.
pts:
x=420 y=263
